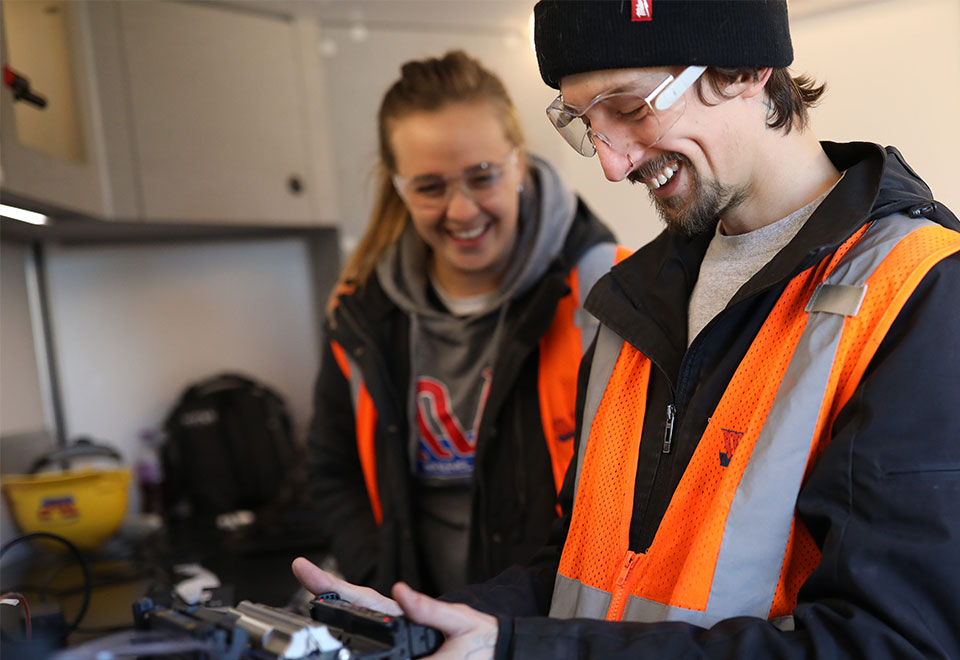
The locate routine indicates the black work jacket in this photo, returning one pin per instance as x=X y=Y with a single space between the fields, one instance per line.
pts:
x=881 y=501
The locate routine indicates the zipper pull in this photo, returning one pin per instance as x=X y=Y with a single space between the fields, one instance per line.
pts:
x=625 y=567
x=668 y=431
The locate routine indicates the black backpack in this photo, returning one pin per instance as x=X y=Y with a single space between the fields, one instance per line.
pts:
x=229 y=446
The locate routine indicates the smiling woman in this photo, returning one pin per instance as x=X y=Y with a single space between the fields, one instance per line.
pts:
x=468 y=219
x=445 y=400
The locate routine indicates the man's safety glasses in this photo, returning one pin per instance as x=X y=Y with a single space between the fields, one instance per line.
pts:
x=431 y=192
x=631 y=115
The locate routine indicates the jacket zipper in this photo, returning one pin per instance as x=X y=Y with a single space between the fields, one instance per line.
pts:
x=619 y=600
x=665 y=459
x=668 y=430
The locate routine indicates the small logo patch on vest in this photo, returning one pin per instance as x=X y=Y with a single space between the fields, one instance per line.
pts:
x=642 y=10
x=731 y=439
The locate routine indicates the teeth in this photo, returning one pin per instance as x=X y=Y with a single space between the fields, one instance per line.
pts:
x=662 y=177
x=468 y=234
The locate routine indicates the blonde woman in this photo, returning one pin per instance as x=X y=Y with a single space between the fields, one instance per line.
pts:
x=445 y=401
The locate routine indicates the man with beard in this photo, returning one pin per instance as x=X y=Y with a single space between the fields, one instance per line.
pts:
x=767 y=460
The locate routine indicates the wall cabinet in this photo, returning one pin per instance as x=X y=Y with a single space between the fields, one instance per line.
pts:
x=218 y=114
x=190 y=113
x=51 y=154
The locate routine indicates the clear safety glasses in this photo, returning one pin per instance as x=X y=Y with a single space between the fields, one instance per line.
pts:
x=431 y=192
x=632 y=115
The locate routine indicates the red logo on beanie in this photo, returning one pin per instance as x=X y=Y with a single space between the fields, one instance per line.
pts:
x=642 y=10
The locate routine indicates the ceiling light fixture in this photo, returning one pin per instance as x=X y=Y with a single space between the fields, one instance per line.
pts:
x=23 y=215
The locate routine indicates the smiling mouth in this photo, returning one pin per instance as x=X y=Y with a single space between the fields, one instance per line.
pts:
x=662 y=177
x=469 y=234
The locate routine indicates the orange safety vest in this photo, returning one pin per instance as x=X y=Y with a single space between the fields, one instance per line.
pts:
x=729 y=543
x=556 y=386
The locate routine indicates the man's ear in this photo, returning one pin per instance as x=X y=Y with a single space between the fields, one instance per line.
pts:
x=754 y=86
x=748 y=86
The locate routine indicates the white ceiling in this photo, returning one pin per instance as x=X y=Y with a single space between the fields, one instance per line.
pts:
x=470 y=15
x=450 y=14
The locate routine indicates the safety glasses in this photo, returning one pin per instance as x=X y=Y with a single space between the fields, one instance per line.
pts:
x=431 y=192
x=633 y=115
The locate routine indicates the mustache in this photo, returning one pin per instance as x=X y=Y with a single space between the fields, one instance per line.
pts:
x=649 y=169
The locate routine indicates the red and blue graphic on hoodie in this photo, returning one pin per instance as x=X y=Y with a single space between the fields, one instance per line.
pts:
x=447 y=446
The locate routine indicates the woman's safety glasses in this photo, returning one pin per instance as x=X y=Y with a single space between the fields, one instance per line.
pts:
x=431 y=192
x=632 y=115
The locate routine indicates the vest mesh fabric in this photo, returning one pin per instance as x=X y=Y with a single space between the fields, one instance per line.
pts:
x=607 y=512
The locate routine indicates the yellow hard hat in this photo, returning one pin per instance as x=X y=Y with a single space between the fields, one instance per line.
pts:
x=85 y=504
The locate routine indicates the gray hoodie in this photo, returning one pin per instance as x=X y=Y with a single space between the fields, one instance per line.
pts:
x=452 y=360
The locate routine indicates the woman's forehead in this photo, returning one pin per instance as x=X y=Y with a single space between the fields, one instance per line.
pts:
x=448 y=139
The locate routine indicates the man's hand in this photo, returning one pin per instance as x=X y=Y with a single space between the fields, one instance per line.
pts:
x=469 y=633
x=316 y=581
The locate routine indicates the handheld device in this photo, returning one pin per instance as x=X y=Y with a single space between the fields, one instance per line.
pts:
x=372 y=635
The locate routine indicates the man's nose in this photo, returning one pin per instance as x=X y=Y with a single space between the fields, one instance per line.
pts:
x=616 y=166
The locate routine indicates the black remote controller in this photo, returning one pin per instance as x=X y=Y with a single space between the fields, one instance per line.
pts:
x=372 y=635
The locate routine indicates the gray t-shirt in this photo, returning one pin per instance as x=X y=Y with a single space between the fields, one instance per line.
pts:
x=731 y=261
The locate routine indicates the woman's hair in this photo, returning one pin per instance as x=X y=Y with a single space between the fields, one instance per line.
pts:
x=790 y=98
x=426 y=85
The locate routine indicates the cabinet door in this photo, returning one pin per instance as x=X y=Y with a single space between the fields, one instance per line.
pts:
x=217 y=113
x=50 y=153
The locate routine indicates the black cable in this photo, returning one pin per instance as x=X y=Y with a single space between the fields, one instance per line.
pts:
x=80 y=559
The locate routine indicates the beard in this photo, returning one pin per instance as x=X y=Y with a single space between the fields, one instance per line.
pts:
x=709 y=201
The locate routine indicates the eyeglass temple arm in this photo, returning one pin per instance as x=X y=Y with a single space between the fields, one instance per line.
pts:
x=676 y=89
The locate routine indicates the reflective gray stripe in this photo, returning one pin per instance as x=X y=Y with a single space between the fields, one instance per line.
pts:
x=593 y=265
x=650 y=611
x=785 y=623
x=605 y=356
x=573 y=600
x=873 y=248
x=837 y=299
x=748 y=567
x=749 y=564
x=642 y=610
x=747 y=571
x=356 y=381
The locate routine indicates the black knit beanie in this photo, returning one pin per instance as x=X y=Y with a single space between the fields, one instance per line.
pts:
x=574 y=36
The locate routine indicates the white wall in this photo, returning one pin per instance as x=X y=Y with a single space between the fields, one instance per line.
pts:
x=893 y=76
x=892 y=68
x=135 y=325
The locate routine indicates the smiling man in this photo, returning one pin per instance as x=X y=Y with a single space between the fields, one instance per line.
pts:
x=768 y=448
